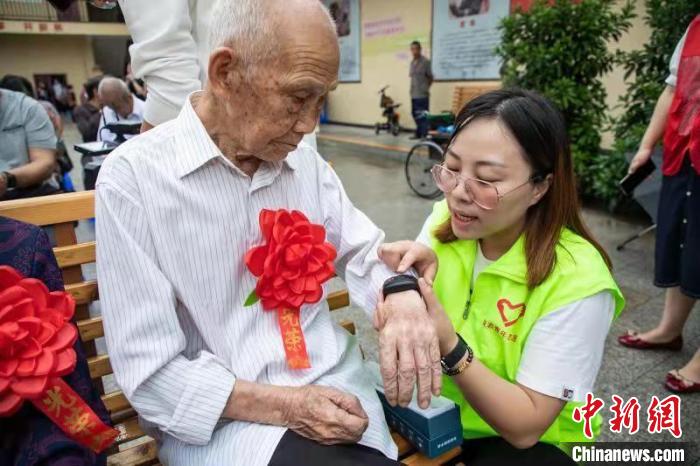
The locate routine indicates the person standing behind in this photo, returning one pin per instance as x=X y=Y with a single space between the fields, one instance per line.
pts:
x=88 y=115
x=421 y=79
x=170 y=53
x=119 y=104
x=676 y=118
x=27 y=148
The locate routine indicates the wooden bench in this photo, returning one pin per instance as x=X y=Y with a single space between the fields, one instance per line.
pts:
x=464 y=93
x=132 y=447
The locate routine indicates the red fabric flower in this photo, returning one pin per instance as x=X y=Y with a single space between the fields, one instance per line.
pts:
x=294 y=261
x=36 y=338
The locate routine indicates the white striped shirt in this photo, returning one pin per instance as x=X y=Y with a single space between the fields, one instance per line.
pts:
x=174 y=221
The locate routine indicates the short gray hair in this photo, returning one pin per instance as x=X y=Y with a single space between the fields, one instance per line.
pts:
x=110 y=84
x=248 y=25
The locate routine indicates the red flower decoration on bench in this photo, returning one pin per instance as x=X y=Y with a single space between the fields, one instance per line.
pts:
x=291 y=267
x=36 y=349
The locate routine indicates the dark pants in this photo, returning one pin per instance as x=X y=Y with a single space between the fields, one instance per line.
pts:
x=494 y=451
x=418 y=109
x=294 y=450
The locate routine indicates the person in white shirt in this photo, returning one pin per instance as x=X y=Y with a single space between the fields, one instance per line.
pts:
x=177 y=208
x=170 y=53
x=119 y=104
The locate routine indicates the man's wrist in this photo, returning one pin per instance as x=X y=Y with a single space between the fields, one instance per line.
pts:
x=449 y=344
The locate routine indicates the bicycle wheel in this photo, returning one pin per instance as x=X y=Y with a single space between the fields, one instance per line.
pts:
x=420 y=160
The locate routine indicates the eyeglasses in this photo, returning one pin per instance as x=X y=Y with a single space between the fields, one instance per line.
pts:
x=483 y=193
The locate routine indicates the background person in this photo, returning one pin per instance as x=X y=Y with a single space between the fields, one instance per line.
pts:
x=87 y=115
x=27 y=148
x=421 y=76
x=521 y=281
x=118 y=104
x=676 y=118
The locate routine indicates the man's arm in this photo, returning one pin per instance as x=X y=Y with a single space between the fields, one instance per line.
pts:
x=429 y=72
x=41 y=143
x=409 y=350
x=183 y=397
x=164 y=54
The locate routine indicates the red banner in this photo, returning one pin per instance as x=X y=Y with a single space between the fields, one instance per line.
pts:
x=69 y=412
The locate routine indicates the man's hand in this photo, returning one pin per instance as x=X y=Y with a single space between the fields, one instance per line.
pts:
x=326 y=415
x=409 y=351
x=402 y=255
x=642 y=157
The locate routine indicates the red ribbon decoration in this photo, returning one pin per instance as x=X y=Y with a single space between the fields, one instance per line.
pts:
x=36 y=350
x=291 y=267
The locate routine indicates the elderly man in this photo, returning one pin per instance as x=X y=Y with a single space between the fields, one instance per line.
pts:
x=177 y=209
x=119 y=104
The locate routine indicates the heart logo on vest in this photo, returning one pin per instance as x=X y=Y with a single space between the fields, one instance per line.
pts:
x=505 y=306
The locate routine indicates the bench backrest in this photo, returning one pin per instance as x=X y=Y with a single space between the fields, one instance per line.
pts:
x=465 y=93
x=61 y=212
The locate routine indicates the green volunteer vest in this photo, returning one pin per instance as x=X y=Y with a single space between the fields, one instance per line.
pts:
x=503 y=311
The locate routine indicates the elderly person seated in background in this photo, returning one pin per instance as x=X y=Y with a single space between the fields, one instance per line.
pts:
x=119 y=104
x=27 y=148
x=209 y=377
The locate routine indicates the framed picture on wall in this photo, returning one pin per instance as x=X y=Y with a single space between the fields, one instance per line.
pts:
x=346 y=14
x=464 y=37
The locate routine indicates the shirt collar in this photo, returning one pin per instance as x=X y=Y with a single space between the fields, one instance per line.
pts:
x=195 y=148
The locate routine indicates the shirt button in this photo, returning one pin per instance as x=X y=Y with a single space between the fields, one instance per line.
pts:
x=685 y=220
x=688 y=193
x=681 y=245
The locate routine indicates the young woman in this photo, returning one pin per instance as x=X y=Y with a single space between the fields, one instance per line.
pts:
x=523 y=297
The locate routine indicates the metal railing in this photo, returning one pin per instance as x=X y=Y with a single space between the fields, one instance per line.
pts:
x=41 y=10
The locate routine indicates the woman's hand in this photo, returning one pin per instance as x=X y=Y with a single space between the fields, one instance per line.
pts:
x=447 y=335
x=402 y=255
x=641 y=157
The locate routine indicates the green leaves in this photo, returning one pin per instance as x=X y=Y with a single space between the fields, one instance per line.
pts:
x=561 y=51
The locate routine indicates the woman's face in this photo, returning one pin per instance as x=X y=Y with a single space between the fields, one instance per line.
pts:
x=486 y=150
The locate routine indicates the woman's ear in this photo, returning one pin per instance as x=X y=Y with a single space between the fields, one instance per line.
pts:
x=224 y=72
x=541 y=188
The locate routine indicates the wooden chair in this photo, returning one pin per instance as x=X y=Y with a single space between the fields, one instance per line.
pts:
x=132 y=447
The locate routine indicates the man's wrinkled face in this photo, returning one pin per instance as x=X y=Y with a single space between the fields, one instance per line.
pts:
x=283 y=97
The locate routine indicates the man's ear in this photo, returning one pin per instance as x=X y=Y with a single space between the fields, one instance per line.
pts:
x=224 y=72
x=541 y=189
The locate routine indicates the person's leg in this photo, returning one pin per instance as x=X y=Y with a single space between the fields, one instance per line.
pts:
x=495 y=451
x=677 y=307
x=690 y=373
x=294 y=450
x=422 y=106
x=415 y=112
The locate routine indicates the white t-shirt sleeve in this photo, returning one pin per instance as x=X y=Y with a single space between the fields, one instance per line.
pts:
x=424 y=235
x=675 y=61
x=564 y=350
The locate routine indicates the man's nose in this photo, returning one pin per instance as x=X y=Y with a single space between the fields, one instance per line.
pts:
x=308 y=118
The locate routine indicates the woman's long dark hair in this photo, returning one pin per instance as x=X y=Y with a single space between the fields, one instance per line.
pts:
x=539 y=128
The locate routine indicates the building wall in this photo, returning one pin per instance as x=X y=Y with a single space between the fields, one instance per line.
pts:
x=385 y=60
x=26 y=55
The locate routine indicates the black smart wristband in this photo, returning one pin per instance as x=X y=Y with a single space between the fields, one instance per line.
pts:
x=10 y=180
x=400 y=283
x=451 y=359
